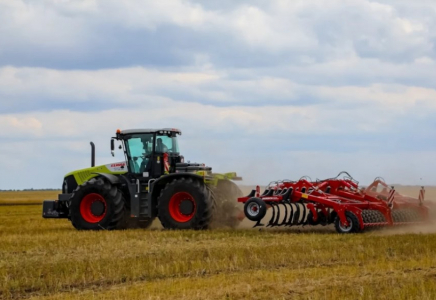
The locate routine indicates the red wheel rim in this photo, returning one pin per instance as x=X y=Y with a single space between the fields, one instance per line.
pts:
x=86 y=205
x=174 y=207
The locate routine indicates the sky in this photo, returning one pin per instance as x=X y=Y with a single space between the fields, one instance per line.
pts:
x=270 y=89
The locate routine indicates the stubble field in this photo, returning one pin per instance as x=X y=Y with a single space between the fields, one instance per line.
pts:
x=48 y=259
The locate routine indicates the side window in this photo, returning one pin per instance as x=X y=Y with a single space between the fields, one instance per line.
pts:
x=136 y=150
x=139 y=150
x=135 y=146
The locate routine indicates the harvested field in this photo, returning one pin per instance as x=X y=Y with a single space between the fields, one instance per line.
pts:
x=48 y=259
x=26 y=197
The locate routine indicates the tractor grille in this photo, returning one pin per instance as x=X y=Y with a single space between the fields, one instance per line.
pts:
x=84 y=175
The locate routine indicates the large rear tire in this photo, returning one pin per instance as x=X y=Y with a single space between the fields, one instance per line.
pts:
x=96 y=205
x=185 y=204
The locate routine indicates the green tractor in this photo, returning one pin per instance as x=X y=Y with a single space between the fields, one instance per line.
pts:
x=153 y=181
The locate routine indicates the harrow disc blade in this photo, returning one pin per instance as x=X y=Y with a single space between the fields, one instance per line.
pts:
x=286 y=215
x=296 y=218
x=291 y=215
x=276 y=220
x=271 y=221
x=303 y=215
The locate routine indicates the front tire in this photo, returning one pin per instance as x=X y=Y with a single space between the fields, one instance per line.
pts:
x=185 y=204
x=96 y=205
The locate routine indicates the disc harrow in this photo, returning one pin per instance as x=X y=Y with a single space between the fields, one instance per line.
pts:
x=339 y=201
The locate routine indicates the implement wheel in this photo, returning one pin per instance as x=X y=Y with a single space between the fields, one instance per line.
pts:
x=96 y=205
x=255 y=209
x=185 y=204
x=353 y=226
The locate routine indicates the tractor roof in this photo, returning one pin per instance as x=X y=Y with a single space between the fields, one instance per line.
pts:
x=132 y=131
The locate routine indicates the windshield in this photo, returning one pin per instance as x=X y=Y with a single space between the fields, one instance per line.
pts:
x=139 y=148
x=167 y=144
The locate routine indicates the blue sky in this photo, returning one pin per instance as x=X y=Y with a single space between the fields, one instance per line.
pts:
x=271 y=89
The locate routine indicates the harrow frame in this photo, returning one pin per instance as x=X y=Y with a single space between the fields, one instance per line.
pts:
x=335 y=200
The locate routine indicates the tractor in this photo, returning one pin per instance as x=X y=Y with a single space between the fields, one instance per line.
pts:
x=153 y=181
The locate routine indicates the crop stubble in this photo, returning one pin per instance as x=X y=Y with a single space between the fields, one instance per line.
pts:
x=48 y=259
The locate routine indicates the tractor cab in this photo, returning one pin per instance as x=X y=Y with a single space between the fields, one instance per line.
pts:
x=150 y=153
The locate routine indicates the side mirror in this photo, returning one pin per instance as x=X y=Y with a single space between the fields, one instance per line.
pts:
x=112 y=147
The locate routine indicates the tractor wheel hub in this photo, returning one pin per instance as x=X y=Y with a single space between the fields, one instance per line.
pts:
x=97 y=208
x=186 y=207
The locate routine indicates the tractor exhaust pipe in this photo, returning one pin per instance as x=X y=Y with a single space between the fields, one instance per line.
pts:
x=92 y=154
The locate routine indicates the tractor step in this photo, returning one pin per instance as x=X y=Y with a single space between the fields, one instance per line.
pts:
x=144 y=207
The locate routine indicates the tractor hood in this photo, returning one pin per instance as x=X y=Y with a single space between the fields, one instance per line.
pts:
x=84 y=175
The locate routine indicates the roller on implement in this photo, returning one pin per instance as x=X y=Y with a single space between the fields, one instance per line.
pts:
x=153 y=181
x=339 y=201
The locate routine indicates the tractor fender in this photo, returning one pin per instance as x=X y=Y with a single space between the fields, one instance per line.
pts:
x=160 y=183
x=113 y=179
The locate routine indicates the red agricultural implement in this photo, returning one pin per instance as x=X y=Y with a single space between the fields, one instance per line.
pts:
x=336 y=200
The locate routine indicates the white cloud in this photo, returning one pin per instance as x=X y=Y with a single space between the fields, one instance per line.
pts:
x=27 y=125
x=135 y=92
x=299 y=28
x=269 y=89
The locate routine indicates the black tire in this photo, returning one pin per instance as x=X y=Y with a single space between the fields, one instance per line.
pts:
x=354 y=226
x=198 y=195
x=227 y=211
x=255 y=209
x=112 y=216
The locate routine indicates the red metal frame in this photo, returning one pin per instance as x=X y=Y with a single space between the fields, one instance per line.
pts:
x=338 y=196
